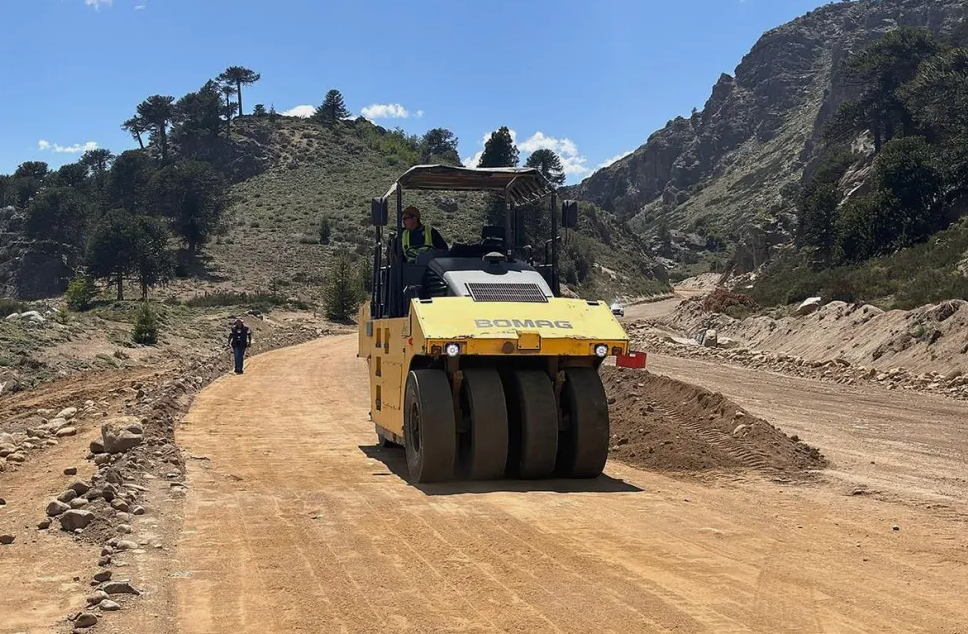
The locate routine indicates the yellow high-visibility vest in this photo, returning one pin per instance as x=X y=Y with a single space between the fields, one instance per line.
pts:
x=411 y=252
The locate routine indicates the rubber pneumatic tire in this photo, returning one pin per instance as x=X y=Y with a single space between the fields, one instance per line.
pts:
x=429 y=428
x=583 y=447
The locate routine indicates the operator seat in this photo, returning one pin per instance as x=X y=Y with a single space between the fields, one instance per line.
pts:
x=492 y=237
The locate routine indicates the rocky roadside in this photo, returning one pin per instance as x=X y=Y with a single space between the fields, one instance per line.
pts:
x=835 y=370
x=134 y=451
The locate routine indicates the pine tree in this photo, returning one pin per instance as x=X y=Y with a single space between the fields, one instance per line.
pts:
x=342 y=293
x=332 y=109
x=499 y=151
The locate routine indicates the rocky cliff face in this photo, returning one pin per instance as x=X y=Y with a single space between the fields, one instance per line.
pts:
x=727 y=164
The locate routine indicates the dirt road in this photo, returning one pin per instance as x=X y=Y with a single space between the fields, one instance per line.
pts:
x=295 y=522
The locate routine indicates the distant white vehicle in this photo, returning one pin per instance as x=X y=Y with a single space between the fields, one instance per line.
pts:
x=618 y=309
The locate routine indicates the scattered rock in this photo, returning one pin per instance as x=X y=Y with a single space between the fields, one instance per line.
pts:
x=7 y=539
x=66 y=431
x=56 y=507
x=119 y=587
x=109 y=606
x=97 y=597
x=121 y=434
x=70 y=471
x=44 y=524
x=76 y=518
x=67 y=413
x=104 y=575
x=86 y=619
x=119 y=505
x=67 y=496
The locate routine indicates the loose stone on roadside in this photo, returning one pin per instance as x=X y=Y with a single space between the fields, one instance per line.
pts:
x=85 y=620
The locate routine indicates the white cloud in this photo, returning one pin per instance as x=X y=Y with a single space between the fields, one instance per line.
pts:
x=572 y=162
x=139 y=7
x=69 y=149
x=420 y=113
x=386 y=111
x=97 y=4
x=300 y=111
x=609 y=161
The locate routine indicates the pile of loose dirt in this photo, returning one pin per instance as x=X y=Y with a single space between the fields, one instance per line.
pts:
x=661 y=424
x=839 y=370
x=930 y=338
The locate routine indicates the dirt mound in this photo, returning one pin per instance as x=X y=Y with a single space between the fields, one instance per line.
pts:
x=928 y=338
x=661 y=424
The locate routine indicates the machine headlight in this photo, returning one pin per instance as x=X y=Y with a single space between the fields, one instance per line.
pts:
x=452 y=349
x=601 y=350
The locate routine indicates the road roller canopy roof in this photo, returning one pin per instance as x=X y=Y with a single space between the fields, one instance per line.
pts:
x=523 y=185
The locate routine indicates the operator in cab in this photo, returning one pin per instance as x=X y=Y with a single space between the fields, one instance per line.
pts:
x=418 y=238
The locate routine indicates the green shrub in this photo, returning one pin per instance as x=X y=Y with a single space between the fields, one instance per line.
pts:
x=11 y=306
x=145 y=329
x=231 y=298
x=343 y=292
x=80 y=293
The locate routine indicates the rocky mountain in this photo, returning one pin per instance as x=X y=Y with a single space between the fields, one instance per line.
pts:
x=722 y=170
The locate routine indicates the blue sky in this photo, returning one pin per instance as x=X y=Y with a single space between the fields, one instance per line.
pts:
x=589 y=79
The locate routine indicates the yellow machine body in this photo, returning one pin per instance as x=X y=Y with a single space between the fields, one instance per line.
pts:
x=479 y=367
x=564 y=332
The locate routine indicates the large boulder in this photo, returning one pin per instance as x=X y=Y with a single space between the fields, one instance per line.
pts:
x=121 y=434
x=76 y=518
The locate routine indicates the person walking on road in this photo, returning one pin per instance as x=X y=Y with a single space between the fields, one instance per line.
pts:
x=240 y=338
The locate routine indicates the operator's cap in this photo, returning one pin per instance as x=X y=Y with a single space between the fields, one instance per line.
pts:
x=411 y=210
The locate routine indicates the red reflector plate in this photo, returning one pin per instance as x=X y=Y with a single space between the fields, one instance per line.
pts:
x=631 y=360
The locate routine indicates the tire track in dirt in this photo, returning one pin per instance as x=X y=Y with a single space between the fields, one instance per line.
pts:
x=749 y=458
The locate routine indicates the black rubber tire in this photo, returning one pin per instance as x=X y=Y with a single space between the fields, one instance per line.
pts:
x=429 y=432
x=533 y=425
x=583 y=444
x=483 y=450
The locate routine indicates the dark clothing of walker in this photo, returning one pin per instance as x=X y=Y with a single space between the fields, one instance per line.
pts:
x=240 y=338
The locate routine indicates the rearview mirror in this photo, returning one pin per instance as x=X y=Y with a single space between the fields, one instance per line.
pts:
x=569 y=214
x=378 y=212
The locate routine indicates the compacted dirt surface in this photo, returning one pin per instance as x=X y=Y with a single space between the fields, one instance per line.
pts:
x=294 y=521
x=734 y=500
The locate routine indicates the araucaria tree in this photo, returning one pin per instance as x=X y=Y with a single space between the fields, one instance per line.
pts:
x=332 y=109
x=239 y=76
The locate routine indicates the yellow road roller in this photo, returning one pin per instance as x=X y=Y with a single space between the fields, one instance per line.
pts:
x=478 y=366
